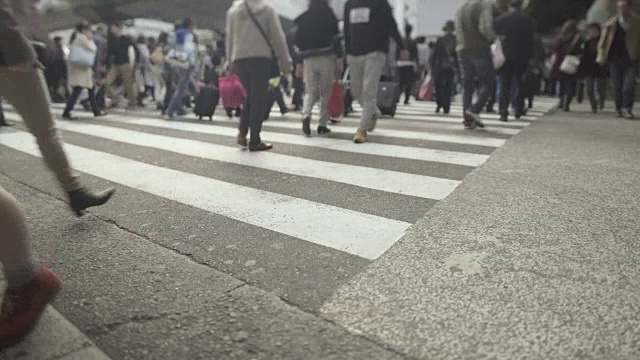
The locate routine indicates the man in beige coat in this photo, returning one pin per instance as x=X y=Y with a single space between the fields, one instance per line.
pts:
x=620 y=48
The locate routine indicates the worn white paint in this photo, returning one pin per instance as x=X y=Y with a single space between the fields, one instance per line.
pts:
x=356 y=233
x=371 y=178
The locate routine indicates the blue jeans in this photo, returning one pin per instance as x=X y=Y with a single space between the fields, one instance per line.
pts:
x=510 y=92
x=623 y=77
x=476 y=65
x=184 y=79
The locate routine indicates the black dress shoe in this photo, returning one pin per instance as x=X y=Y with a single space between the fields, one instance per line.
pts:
x=306 y=126
x=69 y=117
x=100 y=114
x=260 y=147
x=5 y=123
x=323 y=130
x=82 y=199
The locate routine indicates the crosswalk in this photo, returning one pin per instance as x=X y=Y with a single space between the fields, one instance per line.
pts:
x=377 y=190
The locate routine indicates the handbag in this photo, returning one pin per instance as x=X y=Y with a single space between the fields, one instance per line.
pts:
x=497 y=54
x=157 y=57
x=178 y=58
x=232 y=93
x=275 y=68
x=81 y=56
x=571 y=63
x=426 y=89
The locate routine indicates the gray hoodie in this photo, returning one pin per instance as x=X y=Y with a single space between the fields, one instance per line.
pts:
x=244 y=40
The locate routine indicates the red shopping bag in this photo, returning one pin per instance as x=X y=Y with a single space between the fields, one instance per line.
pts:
x=232 y=93
x=336 y=101
x=426 y=90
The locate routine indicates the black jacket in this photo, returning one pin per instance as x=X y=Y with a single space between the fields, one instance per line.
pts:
x=317 y=33
x=368 y=25
x=518 y=30
x=445 y=57
x=118 y=49
x=588 y=65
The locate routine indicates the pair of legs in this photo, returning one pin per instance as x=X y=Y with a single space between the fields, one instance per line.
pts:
x=596 y=87
x=623 y=79
x=567 y=92
x=183 y=80
x=73 y=99
x=318 y=78
x=124 y=71
x=407 y=80
x=254 y=74
x=476 y=66
x=366 y=71
x=511 y=91
x=30 y=287
x=444 y=83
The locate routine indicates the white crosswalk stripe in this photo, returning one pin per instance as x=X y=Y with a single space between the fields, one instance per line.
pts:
x=413 y=145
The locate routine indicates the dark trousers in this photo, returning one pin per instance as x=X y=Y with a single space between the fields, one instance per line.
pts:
x=254 y=74
x=477 y=66
x=596 y=87
x=298 y=92
x=407 y=79
x=623 y=78
x=73 y=99
x=568 y=84
x=493 y=97
x=444 y=83
x=511 y=91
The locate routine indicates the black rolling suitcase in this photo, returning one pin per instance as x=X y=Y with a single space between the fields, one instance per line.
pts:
x=388 y=95
x=207 y=101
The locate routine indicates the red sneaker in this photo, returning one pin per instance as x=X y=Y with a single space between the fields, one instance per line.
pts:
x=23 y=307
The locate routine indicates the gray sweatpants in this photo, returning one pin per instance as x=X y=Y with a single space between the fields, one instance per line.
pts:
x=365 y=80
x=319 y=73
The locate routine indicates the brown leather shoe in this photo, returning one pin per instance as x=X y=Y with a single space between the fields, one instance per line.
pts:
x=260 y=147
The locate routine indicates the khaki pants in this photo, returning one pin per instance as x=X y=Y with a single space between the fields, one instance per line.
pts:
x=126 y=72
x=26 y=90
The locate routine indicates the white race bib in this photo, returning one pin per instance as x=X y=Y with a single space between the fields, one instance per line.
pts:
x=360 y=15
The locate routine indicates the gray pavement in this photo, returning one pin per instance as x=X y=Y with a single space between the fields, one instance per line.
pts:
x=535 y=256
x=532 y=256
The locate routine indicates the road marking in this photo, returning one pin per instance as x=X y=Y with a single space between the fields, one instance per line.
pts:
x=359 y=234
x=426 y=187
x=431 y=125
x=395 y=151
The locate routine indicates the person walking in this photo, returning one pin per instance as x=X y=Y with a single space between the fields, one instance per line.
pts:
x=517 y=30
x=80 y=76
x=368 y=26
x=407 y=68
x=30 y=286
x=120 y=63
x=444 y=66
x=319 y=45
x=144 y=71
x=256 y=47
x=595 y=75
x=619 y=48
x=569 y=44
x=474 y=33
x=182 y=59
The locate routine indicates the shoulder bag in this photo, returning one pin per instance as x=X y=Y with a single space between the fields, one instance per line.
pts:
x=571 y=63
x=275 y=68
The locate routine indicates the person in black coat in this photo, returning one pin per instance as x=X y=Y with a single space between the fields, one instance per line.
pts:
x=444 y=63
x=517 y=30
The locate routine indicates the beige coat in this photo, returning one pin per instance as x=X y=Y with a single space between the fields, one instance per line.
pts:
x=244 y=40
x=608 y=33
x=79 y=75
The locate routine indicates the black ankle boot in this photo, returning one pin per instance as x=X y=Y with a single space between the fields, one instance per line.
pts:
x=82 y=199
